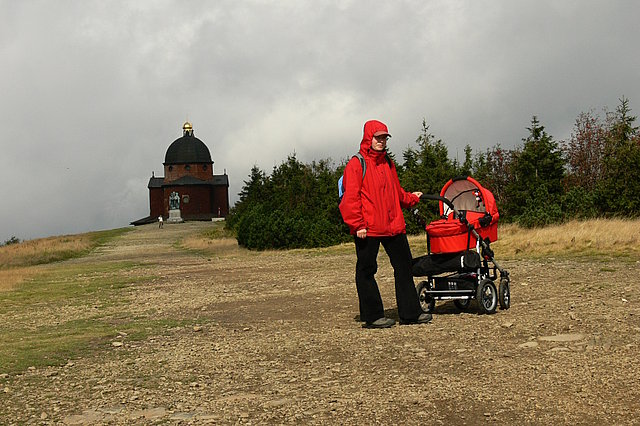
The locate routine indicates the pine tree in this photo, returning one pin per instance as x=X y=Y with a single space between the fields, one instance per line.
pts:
x=494 y=170
x=538 y=172
x=619 y=190
x=426 y=169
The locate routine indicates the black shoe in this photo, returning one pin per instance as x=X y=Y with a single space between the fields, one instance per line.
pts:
x=380 y=323
x=422 y=319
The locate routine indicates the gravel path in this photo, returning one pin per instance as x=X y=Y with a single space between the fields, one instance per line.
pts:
x=274 y=338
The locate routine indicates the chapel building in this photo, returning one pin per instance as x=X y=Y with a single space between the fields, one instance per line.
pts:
x=188 y=171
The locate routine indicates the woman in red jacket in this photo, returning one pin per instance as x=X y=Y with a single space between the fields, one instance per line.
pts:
x=372 y=208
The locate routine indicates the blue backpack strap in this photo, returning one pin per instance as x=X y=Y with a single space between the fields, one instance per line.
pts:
x=362 y=163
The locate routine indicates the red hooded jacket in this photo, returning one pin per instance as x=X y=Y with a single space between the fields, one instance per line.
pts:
x=375 y=202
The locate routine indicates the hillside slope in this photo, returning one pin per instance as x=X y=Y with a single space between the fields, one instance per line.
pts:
x=144 y=330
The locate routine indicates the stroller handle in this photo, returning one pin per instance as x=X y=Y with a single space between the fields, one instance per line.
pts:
x=436 y=197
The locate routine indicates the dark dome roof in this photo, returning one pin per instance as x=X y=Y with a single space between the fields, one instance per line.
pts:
x=187 y=149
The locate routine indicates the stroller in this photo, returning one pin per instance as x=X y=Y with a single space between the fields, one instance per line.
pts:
x=457 y=264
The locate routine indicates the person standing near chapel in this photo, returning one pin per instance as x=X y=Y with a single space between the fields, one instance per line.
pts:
x=372 y=208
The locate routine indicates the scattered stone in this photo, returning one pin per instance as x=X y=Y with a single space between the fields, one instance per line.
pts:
x=154 y=413
x=31 y=368
x=208 y=418
x=506 y=325
x=4 y=376
x=182 y=416
x=113 y=410
x=197 y=328
x=528 y=345
x=116 y=344
x=87 y=417
x=572 y=337
x=277 y=403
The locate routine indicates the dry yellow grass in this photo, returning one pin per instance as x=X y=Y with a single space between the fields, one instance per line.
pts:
x=9 y=278
x=43 y=250
x=614 y=237
x=16 y=260
x=209 y=245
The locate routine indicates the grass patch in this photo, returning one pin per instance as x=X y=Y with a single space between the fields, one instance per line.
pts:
x=15 y=259
x=217 y=231
x=57 y=344
x=74 y=284
x=591 y=238
x=54 y=249
x=9 y=278
x=72 y=311
x=214 y=240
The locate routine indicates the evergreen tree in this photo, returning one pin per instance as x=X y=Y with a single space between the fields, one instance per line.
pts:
x=494 y=170
x=426 y=169
x=251 y=191
x=294 y=207
x=537 y=186
x=467 y=165
x=619 y=190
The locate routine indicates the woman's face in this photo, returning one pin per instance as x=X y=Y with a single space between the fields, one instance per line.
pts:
x=379 y=143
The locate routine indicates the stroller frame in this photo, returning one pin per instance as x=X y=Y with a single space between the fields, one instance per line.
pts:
x=464 y=283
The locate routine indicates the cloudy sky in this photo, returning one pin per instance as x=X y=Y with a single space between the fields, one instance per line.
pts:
x=93 y=92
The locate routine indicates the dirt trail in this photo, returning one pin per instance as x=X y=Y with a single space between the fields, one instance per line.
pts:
x=273 y=338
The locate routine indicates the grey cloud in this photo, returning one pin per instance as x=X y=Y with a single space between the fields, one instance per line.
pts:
x=94 y=92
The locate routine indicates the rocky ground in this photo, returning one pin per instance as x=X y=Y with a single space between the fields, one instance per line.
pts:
x=274 y=338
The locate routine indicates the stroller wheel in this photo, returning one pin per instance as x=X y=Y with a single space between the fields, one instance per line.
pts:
x=487 y=296
x=427 y=302
x=462 y=304
x=504 y=294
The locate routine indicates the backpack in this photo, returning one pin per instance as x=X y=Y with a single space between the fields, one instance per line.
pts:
x=341 y=186
x=364 y=169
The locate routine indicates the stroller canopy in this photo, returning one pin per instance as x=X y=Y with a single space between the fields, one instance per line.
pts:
x=450 y=234
x=467 y=194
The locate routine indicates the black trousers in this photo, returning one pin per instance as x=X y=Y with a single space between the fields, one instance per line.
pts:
x=399 y=252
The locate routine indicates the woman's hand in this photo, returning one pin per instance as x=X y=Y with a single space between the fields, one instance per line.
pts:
x=417 y=194
x=361 y=233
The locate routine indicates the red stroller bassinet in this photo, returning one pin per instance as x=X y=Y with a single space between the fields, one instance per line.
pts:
x=456 y=265
x=477 y=204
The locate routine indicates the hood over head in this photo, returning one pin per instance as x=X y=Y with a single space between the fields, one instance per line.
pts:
x=372 y=128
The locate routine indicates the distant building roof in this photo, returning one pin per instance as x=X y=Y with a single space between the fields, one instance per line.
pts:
x=217 y=180
x=155 y=182
x=188 y=149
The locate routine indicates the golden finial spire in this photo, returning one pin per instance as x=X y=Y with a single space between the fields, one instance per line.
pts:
x=187 y=129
